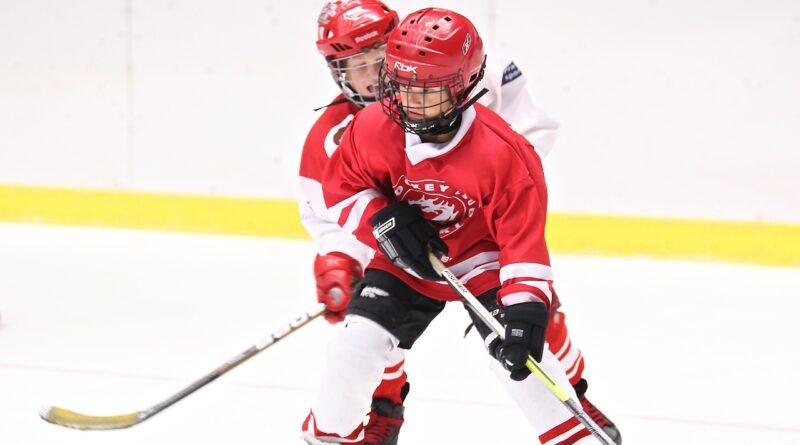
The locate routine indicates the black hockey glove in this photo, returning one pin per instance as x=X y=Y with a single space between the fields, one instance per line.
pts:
x=526 y=324
x=404 y=235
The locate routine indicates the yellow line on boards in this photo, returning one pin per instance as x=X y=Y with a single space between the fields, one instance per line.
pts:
x=182 y=213
x=740 y=242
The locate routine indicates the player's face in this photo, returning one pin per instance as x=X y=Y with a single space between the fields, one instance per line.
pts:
x=423 y=103
x=363 y=71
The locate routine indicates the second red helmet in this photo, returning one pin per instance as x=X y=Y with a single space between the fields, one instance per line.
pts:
x=346 y=27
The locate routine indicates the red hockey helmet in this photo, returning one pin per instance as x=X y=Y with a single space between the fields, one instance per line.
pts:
x=348 y=29
x=436 y=50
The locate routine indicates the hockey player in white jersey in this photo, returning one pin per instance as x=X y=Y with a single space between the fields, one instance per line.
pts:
x=352 y=38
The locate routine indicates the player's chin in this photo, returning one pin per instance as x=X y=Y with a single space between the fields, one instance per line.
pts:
x=414 y=117
x=368 y=99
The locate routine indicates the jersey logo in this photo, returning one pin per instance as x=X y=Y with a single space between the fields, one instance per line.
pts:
x=510 y=73
x=445 y=206
x=334 y=136
x=337 y=137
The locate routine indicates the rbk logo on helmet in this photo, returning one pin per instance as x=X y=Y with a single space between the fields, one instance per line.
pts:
x=400 y=66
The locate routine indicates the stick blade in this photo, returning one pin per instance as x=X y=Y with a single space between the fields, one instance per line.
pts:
x=71 y=419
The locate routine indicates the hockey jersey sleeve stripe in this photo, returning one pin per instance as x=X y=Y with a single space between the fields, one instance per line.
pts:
x=541 y=289
x=494 y=265
x=524 y=270
x=543 y=286
x=520 y=297
x=335 y=212
x=470 y=264
x=357 y=212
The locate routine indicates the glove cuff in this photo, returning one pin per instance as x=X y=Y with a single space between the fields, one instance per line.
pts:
x=336 y=261
x=530 y=312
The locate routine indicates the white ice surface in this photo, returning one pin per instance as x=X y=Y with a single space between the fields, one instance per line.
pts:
x=113 y=321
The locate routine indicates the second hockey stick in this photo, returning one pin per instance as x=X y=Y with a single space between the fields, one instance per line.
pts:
x=573 y=406
x=71 y=419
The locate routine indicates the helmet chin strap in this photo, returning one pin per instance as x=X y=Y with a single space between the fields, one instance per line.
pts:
x=447 y=123
x=336 y=102
x=357 y=99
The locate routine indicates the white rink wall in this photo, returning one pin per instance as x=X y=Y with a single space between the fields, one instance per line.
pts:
x=679 y=108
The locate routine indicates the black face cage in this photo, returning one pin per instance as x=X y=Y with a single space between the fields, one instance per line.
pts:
x=394 y=100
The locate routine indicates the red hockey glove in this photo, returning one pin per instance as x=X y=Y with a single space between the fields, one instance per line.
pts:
x=336 y=275
x=526 y=324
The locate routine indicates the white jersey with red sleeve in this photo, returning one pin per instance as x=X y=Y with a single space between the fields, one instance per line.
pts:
x=484 y=190
x=321 y=142
x=509 y=97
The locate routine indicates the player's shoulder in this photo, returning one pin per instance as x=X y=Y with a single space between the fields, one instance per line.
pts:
x=502 y=68
x=492 y=133
x=329 y=126
x=372 y=114
x=372 y=122
x=333 y=115
x=491 y=125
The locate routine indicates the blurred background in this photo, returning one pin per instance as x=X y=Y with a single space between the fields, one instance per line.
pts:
x=669 y=109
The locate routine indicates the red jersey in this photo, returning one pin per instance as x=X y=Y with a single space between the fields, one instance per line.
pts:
x=484 y=190
x=508 y=96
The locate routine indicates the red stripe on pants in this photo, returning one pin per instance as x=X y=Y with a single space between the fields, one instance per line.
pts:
x=569 y=424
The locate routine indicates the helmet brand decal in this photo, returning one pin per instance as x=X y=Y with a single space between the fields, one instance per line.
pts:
x=405 y=68
x=354 y=13
x=467 y=44
x=366 y=36
x=327 y=13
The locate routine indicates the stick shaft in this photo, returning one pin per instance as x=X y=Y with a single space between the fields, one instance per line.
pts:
x=531 y=364
x=72 y=419
x=242 y=357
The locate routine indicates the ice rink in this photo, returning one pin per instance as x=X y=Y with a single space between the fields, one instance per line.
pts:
x=113 y=321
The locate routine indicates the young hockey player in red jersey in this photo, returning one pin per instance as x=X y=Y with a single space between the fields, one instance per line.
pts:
x=352 y=37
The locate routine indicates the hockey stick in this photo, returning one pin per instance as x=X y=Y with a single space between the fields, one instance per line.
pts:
x=574 y=407
x=71 y=419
